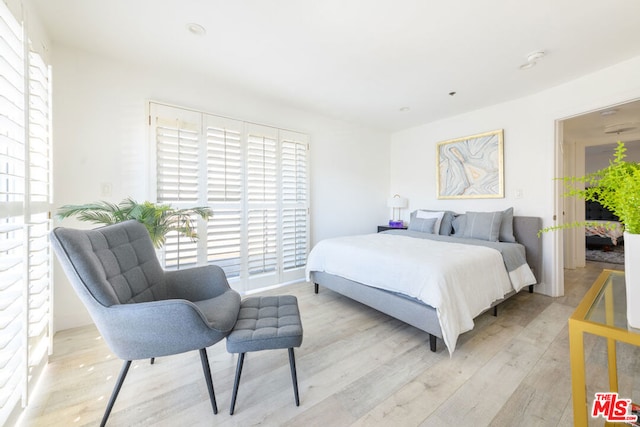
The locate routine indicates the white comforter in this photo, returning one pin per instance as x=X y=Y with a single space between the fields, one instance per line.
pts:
x=459 y=281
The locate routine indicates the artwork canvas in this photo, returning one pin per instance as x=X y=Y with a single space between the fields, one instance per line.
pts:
x=471 y=167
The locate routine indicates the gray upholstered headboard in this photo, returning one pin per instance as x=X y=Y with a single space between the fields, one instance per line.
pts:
x=525 y=230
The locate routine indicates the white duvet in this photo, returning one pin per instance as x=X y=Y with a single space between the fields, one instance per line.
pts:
x=459 y=281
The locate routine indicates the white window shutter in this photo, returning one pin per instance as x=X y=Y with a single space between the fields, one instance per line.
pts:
x=25 y=185
x=39 y=272
x=224 y=159
x=295 y=203
x=225 y=190
x=253 y=178
x=224 y=241
x=177 y=135
x=177 y=149
x=12 y=302
x=12 y=222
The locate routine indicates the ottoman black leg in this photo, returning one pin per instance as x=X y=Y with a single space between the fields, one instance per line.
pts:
x=294 y=377
x=236 y=383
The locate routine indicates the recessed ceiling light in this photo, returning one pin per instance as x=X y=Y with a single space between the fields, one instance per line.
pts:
x=196 y=29
x=534 y=56
x=527 y=65
x=404 y=109
x=532 y=59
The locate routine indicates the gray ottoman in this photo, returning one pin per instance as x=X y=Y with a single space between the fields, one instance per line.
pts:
x=266 y=323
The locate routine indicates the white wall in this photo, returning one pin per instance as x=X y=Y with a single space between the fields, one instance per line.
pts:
x=100 y=136
x=529 y=150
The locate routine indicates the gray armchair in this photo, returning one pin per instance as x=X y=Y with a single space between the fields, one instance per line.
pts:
x=142 y=311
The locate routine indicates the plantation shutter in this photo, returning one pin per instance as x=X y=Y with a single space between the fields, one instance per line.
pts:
x=262 y=207
x=39 y=272
x=25 y=182
x=178 y=158
x=13 y=248
x=225 y=188
x=295 y=208
x=254 y=179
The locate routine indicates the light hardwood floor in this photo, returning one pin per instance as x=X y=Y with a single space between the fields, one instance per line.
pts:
x=356 y=367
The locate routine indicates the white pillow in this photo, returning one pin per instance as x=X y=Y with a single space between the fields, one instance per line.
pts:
x=428 y=215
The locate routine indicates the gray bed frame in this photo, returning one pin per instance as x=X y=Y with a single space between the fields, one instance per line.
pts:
x=416 y=313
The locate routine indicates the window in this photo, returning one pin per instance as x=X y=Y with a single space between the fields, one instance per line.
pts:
x=25 y=188
x=253 y=177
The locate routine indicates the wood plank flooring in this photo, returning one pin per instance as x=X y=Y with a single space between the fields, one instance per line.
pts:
x=356 y=367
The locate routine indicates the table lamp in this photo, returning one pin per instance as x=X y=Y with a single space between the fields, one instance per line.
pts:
x=396 y=202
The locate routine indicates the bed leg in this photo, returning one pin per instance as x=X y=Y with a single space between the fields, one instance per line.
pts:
x=530 y=289
x=495 y=311
x=316 y=288
x=432 y=343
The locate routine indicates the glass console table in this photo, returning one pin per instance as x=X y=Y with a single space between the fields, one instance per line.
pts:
x=602 y=312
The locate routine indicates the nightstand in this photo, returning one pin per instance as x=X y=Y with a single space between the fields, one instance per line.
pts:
x=386 y=227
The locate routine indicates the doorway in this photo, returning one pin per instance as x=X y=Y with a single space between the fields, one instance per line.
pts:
x=587 y=144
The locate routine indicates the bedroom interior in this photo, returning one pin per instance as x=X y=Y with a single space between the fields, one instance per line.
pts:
x=361 y=103
x=595 y=134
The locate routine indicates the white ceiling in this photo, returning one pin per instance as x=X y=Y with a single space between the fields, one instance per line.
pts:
x=361 y=60
x=600 y=130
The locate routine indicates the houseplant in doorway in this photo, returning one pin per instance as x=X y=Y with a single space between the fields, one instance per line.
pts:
x=617 y=188
x=159 y=219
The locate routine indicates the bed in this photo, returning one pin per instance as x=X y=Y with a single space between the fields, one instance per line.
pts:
x=603 y=228
x=339 y=268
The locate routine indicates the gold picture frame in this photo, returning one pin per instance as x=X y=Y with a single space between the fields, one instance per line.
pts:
x=471 y=167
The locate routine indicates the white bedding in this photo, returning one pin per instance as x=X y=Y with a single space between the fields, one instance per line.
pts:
x=459 y=281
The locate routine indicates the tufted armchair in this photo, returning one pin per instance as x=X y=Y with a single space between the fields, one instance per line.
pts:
x=141 y=310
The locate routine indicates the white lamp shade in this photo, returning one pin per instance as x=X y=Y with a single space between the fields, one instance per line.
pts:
x=397 y=202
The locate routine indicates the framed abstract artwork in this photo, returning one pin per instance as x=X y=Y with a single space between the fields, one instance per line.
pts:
x=471 y=167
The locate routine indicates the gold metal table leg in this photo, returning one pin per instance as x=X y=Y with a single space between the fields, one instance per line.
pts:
x=579 y=391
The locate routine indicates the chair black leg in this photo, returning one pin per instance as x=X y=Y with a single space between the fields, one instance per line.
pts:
x=294 y=377
x=236 y=383
x=116 y=390
x=207 y=376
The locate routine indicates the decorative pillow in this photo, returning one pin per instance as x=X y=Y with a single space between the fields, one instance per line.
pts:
x=506 y=227
x=446 y=224
x=481 y=226
x=458 y=224
x=423 y=225
x=444 y=227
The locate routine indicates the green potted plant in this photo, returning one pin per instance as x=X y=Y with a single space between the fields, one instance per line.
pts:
x=159 y=219
x=617 y=188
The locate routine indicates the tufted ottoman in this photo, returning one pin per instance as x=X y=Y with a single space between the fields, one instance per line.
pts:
x=266 y=323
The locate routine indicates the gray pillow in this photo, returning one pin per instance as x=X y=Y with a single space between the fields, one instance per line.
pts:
x=446 y=223
x=479 y=225
x=458 y=224
x=422 y=225
x=506 y=227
